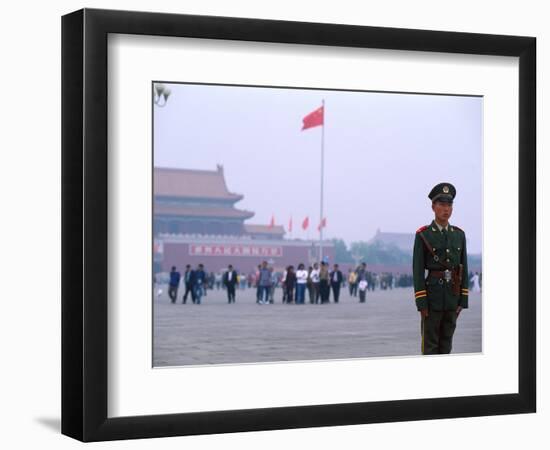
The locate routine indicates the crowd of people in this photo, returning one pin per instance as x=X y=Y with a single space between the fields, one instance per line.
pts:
x=314 y=285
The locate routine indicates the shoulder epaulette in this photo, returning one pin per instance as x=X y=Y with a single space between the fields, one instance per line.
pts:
x=421 y=229
x=458 y=228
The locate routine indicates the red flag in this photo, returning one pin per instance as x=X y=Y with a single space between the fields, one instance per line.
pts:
x=314 y=119
x=305 y=223
x=323 y=224
x=290 y=225
x=272 y=223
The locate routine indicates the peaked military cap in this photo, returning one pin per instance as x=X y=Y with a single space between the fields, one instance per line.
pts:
x=442 y=192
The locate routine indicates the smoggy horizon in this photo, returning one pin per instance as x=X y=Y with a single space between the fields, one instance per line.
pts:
x=383 y=152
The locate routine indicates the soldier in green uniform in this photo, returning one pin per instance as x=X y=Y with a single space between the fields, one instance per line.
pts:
x=440 y=273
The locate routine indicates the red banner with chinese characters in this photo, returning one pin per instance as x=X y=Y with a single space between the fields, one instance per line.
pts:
x=235 y=250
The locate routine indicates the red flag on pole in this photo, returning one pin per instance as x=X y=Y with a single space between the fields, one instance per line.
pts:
x=290 y=225
x=323 y=224
x=272 y=223
x=314 y=118
x=305 y=223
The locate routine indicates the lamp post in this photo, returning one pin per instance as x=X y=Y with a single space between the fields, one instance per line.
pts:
x=356 y=258
x=160 y=93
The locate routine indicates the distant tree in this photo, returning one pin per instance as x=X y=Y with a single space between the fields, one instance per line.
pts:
x=380 y=253
x=474 y=260
x=342 y=254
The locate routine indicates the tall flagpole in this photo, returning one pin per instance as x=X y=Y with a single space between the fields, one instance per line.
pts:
x=322 y=182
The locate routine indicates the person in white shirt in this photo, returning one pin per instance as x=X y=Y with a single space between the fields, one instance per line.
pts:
x=315 y=281
x=475 y=283
x=301 y=280
x=309 y=286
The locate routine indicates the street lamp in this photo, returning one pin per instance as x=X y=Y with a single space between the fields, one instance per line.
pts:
x=161 y=92
x=356 y=257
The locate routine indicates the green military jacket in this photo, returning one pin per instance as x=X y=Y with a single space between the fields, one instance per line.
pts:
x=433 y=292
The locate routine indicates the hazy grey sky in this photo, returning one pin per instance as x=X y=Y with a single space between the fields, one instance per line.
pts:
x=383 y=154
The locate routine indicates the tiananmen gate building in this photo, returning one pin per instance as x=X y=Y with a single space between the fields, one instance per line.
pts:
x=196 y=220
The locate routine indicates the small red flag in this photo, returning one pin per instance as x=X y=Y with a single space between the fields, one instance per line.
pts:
x=323 y=224
x=305 y=223
x=290 y=225
x=314 y=119
x=272 y=223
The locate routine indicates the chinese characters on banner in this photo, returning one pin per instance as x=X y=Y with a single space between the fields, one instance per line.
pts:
x=235 y=250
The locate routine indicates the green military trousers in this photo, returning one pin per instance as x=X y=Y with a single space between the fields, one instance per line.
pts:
x=437 y=332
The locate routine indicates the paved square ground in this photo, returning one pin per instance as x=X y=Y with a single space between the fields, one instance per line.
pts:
x=245 y=332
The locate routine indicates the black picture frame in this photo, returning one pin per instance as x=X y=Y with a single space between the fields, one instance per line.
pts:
x=84 y=224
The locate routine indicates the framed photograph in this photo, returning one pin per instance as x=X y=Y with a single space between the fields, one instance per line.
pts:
x=265 y=225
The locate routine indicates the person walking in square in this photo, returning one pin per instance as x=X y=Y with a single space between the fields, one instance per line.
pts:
x=174 y=284
x=189 y=281
x=324 y=282
x=362 y=282
x=257 y=283
x=315 y=282
x=264 y=283
x=301 y=282
x=475 y=283
x=200 y=282
x=274 y=283
x=309 y=286
x=336 y=279
x=290 y=284
x=283 y=285
x=352 y=282
x=230 y=279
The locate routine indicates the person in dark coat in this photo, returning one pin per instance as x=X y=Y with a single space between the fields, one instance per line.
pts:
x=229 y=281
x=324 y=283
x=189 y=281
x=200 y=282
x=290 y=284
x=264 y=283
x=336 y=279
x=362 y=282
x=257 y=283
x=173 y=285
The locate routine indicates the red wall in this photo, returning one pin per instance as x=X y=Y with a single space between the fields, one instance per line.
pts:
x=176 y=254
